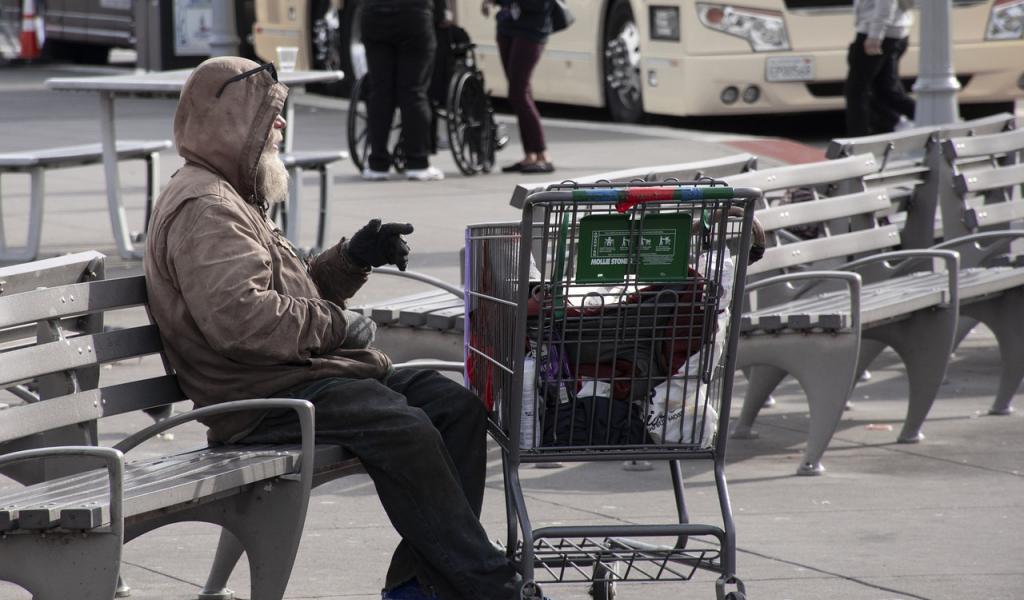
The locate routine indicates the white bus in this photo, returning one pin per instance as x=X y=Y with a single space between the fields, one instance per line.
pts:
x=683 y=57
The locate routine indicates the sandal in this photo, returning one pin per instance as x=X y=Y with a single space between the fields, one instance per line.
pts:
x=538 y=167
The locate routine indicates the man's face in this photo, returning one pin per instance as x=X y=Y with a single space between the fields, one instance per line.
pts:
x=271 y=176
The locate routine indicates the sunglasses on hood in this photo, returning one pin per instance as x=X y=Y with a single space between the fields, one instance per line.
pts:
x=264 y=67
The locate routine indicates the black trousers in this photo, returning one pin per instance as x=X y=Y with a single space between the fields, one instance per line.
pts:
x=875 y=97
x=400 y=45
x=422 y=439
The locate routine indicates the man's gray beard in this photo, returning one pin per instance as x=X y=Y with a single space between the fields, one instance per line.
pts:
x=271 y=178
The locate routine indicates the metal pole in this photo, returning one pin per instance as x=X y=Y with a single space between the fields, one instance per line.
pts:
x=223 y=39
x=936 y=86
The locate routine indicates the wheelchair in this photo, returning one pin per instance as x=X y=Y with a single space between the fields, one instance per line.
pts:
x=459 y=100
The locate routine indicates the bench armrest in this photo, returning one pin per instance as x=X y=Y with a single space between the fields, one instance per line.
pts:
x=423 y=277
x=114 y=460
x=852 y=280
x=951 y=258
x=304 y=408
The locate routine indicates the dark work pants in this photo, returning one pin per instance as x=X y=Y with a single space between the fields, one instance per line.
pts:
x=400 y=45
x=875 y=97
x=519 y=55
x=422 y=439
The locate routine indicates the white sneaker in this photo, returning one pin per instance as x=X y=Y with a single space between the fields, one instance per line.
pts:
x=903 y=124
x=371 y=175
x=428 y=174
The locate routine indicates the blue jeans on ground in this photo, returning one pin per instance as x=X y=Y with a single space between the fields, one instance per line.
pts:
x=422 y=439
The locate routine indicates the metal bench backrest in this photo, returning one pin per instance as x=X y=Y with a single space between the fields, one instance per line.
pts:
x=67 y=360
x=986 y=175
x=911 y=170
x=845 y=208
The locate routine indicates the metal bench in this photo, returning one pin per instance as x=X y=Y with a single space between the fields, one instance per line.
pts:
x=37 y=162
x=54 y=343
x=961 y=183
x=808 y=309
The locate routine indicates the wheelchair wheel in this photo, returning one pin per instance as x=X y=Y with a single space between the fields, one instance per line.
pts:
x=358 y=124
x=470 y=124
x=359 y=129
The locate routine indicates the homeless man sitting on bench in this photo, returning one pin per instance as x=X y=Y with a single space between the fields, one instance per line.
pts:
x=242 y=315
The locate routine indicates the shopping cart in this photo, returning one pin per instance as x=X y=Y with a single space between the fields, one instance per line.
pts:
x=600 y=328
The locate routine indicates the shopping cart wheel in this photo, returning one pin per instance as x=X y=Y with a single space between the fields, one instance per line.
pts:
x=603 y=587
x=531 y=591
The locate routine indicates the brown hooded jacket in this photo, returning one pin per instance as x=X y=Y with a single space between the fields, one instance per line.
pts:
x=241 y=316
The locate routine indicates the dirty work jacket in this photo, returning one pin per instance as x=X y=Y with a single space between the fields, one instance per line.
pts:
x=241 y=316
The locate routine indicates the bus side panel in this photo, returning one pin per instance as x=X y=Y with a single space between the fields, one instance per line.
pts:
x=570 y=67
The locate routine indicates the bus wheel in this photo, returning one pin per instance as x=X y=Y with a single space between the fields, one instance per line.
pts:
x=622 y=91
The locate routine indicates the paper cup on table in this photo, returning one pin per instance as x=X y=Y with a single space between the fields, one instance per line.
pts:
x=286 y=57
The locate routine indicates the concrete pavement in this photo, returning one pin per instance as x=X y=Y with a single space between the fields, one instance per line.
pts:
x=942 y=520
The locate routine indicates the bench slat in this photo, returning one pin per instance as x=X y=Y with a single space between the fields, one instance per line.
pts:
x=26 y=364
x=417 y=316
x=158 y=484
x=980 y=145
x=823 y=209
x=68 y=300
x=29 y=419
x=390 y=311
x=810 y=251
x=68 y=156
x=984 y=180
x=806 y=174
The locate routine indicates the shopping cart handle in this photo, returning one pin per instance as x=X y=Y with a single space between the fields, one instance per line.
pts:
x=627 y=199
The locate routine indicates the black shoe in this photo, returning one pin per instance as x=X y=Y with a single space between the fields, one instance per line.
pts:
x=513 y=168
x=538 y=167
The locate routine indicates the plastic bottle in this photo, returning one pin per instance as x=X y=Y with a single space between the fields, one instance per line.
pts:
x=528 y=417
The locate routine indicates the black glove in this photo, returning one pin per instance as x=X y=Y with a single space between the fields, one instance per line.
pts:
x=375 y=245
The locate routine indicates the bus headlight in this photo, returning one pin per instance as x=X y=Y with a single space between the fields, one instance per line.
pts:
x=765 y=30
x=1006 y=21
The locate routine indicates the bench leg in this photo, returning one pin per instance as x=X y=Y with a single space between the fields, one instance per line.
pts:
x=325 y=203
x=152 y=186
x=87 y=566
x=761 y=382
x=1002 y=314
x=924 y=343
x=35 y=222
x=267 y=521
x=229 y=550
x=824 y=365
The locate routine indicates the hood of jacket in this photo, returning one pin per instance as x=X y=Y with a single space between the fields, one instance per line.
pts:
x=226 y=134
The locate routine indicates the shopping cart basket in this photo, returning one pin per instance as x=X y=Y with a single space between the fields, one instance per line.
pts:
x=600 y=328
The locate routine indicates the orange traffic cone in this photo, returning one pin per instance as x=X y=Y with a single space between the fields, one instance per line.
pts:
x=29 y=36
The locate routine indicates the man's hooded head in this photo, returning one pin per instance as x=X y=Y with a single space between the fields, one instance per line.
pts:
x=225 y=123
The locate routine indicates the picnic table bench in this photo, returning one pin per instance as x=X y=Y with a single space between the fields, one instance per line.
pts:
x=53 y=344
x=37 y=162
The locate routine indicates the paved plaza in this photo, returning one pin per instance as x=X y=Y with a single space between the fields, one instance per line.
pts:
x=938 y=520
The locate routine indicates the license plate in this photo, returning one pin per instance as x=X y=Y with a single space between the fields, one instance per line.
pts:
x=789 y=68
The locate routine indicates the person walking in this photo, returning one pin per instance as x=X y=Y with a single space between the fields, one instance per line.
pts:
x=875 y=99
x=523 y=27
x=400 y=45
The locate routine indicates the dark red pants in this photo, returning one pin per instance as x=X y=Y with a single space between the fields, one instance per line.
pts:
x=519 y=56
